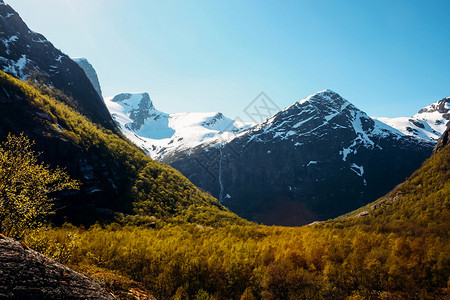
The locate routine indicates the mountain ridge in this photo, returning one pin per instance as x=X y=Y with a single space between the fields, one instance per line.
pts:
x=161 y=134
x=26 y=54
x=428 y=124
x=321 y=156
x=90 y=73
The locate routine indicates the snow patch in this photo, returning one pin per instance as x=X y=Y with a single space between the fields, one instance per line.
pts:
x=12 y=39
x=16 y=68
x=359 y=170
x=312 y=162
x=303 y=122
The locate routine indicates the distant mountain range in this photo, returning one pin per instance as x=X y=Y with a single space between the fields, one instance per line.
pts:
x=314 y=160
x=164 y=135
x=161 y=134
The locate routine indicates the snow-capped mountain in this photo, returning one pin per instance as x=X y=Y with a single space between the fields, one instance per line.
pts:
x=428 y=124
x=316 y=159
x=307 y=117
x=161 y=134
x=26 y=54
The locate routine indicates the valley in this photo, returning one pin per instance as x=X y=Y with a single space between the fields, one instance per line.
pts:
x=112 y=198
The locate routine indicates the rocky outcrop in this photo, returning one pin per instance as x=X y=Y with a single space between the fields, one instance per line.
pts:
x=27 y=274
x=90 y=73
x=443 y=141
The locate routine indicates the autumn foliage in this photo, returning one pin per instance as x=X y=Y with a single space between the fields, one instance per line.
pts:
x=180 y=243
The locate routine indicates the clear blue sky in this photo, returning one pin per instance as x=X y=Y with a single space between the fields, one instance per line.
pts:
x=390 y=58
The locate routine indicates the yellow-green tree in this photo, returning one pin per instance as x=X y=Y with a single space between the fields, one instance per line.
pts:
x=25 y=186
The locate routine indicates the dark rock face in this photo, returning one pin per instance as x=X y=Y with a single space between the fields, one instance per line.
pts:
x=443 y=141
x=27 y=54
x=318 y=159
x=90 y=73
x=209 y=123
x=27 y=274
x=442 y=107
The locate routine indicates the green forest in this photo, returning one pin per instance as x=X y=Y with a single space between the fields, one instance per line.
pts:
x=177 y=242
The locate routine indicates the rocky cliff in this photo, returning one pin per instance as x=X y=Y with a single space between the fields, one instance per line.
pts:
x=90 y=73
x=443 y=141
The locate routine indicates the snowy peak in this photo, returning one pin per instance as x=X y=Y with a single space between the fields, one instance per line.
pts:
x=161 y=134
x=327 y=95
x=143 y=118
x=134 y=102
x=211 y=122
x=442 y=107
x=326 y=103
x=428 y=124
x=17 y=43
x=310 y=116
x=220 y=123
x=320 y=117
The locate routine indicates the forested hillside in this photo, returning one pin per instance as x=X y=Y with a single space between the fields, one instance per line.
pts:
x=396 y=248
x=115 y=175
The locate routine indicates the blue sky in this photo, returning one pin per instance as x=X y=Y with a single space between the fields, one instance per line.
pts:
x=389 y=58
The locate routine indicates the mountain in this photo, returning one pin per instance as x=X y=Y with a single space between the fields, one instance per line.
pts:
x=58 y=108
x=162 y=135
x=115 y=175
x=317 y=159
x=26 y=54
x=90 y=73
x=27 y=274
x=428 y=124
x=419 y=204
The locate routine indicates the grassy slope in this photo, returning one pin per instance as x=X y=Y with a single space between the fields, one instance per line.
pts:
x=401 y=250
